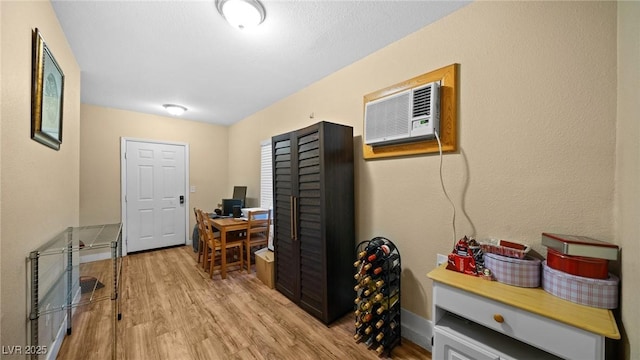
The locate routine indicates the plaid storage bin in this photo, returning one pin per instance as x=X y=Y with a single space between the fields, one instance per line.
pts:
x=600 y=293
x=516 y=272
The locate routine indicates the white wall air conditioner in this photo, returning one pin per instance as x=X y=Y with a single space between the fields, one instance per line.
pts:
x=410 y=115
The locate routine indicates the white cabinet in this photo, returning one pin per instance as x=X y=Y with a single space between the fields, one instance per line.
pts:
x=479 y=319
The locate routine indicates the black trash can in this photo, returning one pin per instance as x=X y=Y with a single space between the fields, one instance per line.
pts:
x=196 y=237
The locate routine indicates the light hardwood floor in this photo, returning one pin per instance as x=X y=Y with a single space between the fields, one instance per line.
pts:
x=171 y=309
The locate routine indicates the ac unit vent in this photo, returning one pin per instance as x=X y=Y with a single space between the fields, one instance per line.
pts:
x=422 y=101
x=410 y=115
x=388 y=118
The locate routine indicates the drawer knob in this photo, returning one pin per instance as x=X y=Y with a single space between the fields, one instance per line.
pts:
x=498 y=318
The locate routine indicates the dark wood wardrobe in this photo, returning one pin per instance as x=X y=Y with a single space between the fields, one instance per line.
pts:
x=314 y=234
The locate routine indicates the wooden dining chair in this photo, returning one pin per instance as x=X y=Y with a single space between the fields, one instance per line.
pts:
x=214 y=244
x=257 y=232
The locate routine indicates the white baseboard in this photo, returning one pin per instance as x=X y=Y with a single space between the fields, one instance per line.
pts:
x=416 y=329
x=54 y=347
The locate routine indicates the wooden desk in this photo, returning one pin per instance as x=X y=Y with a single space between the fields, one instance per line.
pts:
x=226 y=225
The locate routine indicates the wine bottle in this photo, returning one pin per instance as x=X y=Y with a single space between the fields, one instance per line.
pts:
x=360 y=292
x=375 y=307
x=375 y=243
x=392 y=324
x=370 y=342
x=393 y=261
x=380 y=296
x=363 y=284
x=366 y=280
x=369 y=291
x=368 y=330
x=381 y=251
x=386 y=305
x=361 y=336
x=360 y=327
x=380 y=273
x=367 y=317
x=387 y=332
x=386 y=339
x=366 y=306
x=386 y=289
x=363 y=307
x=371 y=247
x=390 y=277
x=357 y=264
x=386 y=318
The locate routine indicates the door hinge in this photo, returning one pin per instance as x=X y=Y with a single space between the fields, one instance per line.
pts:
x=125 y=155
x=125 y=198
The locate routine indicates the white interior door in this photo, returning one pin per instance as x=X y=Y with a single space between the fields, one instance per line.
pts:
x=155 y=195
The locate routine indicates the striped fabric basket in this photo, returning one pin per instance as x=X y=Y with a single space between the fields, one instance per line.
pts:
x=517 y=272
x=600 y=293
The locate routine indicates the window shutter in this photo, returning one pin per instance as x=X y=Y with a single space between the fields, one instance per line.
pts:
x=266 y=175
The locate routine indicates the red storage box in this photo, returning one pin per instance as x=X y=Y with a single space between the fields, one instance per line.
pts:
x=577 y=265
x=513 y=250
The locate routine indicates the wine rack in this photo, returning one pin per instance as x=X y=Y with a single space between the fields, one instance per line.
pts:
x=377 y=303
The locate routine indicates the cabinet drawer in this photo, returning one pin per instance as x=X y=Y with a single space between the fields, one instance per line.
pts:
x=458 y=338
x=529 y=328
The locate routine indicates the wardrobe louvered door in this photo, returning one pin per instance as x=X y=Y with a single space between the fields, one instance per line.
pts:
x=310 y=224
x=314 y=218
x=283 y=217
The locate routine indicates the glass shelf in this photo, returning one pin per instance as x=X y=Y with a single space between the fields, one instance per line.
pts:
x=79 y=266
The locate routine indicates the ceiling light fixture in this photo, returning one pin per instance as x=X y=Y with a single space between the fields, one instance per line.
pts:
x=242 y=14
x=175 y=110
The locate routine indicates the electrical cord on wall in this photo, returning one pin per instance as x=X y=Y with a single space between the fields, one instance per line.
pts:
x=453 y=219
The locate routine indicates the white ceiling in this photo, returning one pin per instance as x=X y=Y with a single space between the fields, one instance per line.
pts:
x=138 y=55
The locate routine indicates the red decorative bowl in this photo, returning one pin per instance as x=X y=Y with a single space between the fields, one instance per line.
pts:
x=577 y=265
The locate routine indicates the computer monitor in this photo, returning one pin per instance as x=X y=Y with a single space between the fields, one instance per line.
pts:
x=240 y=193
x=228 y=204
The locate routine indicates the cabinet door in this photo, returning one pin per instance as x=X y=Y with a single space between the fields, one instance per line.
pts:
x=287 y=253
x=450 y=347
x=310 y=228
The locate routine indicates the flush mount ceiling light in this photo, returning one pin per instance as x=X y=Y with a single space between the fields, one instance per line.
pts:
x=242 y=14
x=175 y=110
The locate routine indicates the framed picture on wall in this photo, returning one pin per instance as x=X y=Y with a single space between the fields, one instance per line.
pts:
x=46 y=95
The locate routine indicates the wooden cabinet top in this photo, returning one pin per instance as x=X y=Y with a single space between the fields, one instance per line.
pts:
x=534 y=300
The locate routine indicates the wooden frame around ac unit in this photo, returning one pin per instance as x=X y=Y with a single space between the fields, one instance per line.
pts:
x=448 y=77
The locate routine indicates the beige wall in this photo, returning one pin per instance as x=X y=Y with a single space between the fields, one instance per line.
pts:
x=100 y=135
x=39 y=185
x=537 y=142
x=628 y=170
x=537 y=113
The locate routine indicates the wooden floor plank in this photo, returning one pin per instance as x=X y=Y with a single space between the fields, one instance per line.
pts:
x=171 y=309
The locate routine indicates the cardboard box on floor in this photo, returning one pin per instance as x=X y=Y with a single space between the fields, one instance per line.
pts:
x=264 y=267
